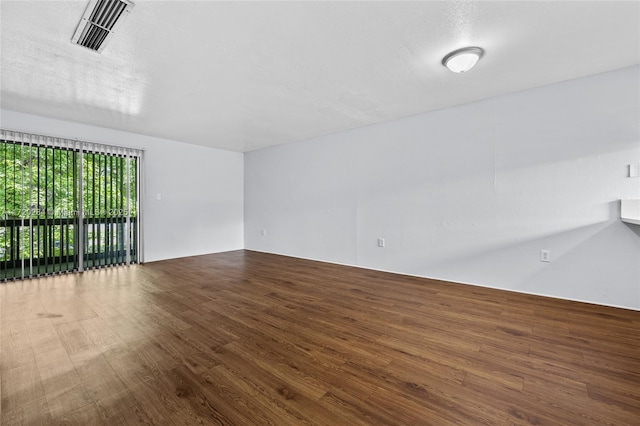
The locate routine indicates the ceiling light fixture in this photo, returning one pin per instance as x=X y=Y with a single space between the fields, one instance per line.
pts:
x=462 y=60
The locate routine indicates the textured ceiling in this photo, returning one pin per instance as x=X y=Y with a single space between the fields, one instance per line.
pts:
x=247 y=75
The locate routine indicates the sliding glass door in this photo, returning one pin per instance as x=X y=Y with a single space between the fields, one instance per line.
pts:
x=66 y=205
x=109 y=197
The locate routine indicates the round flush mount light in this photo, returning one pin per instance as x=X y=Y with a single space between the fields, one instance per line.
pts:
x=462 y=60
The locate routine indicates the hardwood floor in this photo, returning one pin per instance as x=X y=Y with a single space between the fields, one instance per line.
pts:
x=248 y=338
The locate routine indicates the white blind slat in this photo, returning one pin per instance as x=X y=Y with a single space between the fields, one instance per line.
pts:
x=51 y=141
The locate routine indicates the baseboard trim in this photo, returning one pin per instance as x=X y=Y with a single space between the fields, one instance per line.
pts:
x=588 y=302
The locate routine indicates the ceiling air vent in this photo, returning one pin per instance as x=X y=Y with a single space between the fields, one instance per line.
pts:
x=99 y=22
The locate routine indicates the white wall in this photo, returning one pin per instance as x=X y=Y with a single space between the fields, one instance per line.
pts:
x=469 y=194
x=201 y=210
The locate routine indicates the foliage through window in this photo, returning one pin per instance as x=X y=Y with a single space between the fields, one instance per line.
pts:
x=49 y=187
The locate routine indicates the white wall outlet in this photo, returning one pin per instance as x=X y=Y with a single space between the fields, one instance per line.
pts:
x=158 y=196
x=263 y=232
x=634 y=170
x=545 y=255
x=381 y=242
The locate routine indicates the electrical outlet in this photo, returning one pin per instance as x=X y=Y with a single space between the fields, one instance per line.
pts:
x=263 y=233
x=545 y=255
x=381 y=242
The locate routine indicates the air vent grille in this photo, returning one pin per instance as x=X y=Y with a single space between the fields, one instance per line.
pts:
x=107 y=12
x=93 y=36
x=99 y=23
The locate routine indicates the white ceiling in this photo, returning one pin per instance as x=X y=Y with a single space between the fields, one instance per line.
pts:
x=247 y=75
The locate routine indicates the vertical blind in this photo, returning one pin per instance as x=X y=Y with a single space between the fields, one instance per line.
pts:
x=66 y=205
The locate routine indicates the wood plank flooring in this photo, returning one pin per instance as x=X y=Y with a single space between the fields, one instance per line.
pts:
x=246 y=338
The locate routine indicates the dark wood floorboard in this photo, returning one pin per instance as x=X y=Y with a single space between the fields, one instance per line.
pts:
x=245 y=338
